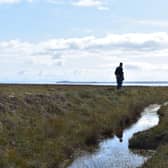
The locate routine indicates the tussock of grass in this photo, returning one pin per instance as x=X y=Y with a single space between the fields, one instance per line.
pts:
x=43 y=126
x=160 y=159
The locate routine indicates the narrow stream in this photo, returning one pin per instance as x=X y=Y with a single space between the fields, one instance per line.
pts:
x=114 y=152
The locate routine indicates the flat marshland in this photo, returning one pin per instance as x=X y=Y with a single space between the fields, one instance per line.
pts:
x=44 y=126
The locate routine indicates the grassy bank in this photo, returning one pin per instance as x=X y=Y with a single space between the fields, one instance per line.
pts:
x=156 y=138
x=43 y=126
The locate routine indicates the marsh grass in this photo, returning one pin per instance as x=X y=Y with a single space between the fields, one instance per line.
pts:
x=43 y=126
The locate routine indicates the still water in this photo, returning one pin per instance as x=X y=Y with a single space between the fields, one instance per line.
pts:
x=114 y=152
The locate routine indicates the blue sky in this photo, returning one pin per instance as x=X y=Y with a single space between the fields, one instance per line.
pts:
x=42 y=19
x=83 y=40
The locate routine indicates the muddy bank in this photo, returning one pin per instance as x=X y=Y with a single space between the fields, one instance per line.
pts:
x=156 y=138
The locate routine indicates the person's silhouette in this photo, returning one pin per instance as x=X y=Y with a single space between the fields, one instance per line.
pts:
x=119 y=75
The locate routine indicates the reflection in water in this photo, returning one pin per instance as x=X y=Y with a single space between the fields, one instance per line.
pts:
x=114 y=152
x=119 y=134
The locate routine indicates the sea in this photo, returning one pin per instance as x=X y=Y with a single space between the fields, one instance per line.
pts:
x=126 y=83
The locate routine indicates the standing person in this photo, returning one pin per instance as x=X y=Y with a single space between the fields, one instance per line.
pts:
x=119 y=75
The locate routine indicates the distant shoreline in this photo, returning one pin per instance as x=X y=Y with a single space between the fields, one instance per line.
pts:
x=73 y=83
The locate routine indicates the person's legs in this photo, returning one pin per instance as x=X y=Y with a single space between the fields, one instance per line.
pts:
x=119 y=83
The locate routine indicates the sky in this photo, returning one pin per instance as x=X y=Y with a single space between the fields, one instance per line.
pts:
x=83 y=40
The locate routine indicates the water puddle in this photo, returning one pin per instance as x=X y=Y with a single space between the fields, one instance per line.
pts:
x=114 y=152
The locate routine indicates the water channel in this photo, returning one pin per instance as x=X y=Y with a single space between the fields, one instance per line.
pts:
x=114 y=152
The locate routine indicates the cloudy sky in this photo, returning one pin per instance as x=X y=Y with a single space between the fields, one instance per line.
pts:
x=83 y=40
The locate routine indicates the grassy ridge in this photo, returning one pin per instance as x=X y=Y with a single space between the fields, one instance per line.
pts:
x=156 y=138
x=43 y=126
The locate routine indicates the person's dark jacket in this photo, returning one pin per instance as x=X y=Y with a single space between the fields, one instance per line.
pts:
x=119 y=73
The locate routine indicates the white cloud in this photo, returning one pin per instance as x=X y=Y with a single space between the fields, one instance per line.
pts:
x=9 y=1
x=99 y=4
x=57 y=1
x=159 y=23
x=132 y=41
x=88 y=2
x=13 y=1
x=87 y=58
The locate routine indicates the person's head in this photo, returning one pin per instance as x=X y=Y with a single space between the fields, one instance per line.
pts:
x=121 y=64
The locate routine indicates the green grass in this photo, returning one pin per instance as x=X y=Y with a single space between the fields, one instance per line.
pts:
x=43 y=126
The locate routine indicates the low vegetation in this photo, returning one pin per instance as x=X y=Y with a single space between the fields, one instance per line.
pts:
x=43 y=126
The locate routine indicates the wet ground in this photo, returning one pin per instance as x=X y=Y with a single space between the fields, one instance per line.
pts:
x=114 y=152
